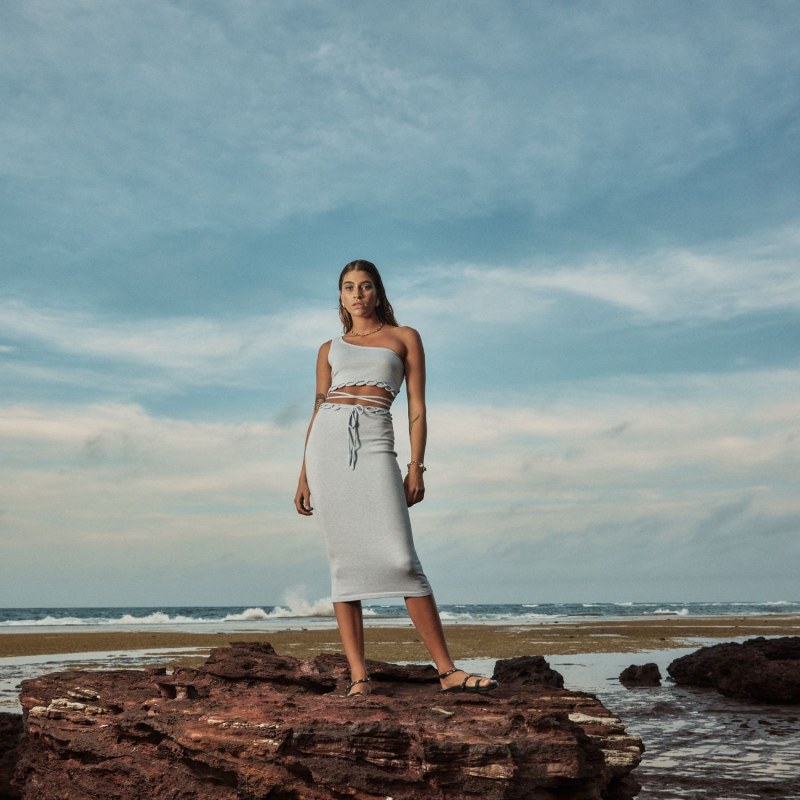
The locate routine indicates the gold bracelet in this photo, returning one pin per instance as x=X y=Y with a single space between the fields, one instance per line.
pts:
x=418 y=463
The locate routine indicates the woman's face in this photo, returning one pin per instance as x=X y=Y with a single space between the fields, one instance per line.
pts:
x=359 y=296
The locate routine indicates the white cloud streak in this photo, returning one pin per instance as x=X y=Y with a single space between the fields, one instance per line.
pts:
x=718 y=281
x=715 y=282
x=199 y=346
x=622 y=446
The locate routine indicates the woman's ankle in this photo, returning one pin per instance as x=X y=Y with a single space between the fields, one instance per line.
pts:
x=358 y=672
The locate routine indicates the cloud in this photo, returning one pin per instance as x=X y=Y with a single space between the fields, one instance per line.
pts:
x=109 y=494
x=713 y=282
x=617 y=491
x=623 y=461
x=660 y=557
x=114 y=442
x=197 y=348
x=188 y=117
x=718 y=281
x=111 y=486
x=604 y=457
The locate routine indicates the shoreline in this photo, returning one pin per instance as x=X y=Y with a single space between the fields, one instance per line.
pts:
x=402 y=643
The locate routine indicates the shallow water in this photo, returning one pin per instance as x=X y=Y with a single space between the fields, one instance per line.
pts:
x=15 y=669
x=699 y=744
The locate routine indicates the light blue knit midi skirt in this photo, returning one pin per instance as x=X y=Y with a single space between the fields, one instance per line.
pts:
x=357 y=494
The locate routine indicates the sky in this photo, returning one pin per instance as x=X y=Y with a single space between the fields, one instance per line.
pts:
x=590 y=211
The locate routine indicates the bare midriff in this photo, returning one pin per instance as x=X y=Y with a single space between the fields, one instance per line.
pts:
x=373 y=398
x=371 y=395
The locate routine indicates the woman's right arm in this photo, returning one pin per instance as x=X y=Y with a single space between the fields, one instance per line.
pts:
x=302 y=498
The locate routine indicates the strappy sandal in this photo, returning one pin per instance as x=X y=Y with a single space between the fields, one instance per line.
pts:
x=475 y=687
x=350 y=686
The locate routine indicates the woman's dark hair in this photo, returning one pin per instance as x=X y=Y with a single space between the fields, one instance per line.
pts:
x=384 y=308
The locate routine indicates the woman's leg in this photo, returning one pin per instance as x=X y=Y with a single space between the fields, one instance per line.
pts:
x=351 y=630
x=425 y=616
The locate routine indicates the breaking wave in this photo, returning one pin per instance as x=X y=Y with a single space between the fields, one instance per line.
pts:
x=296 y=606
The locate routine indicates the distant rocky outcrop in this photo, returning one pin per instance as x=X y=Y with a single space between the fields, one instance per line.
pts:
x=765 y=670
x=251 y=724
x=640 y=675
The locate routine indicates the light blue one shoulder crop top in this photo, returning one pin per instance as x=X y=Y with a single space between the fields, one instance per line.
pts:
x=357 y=365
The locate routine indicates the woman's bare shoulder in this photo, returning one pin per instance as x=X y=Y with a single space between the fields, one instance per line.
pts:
x=408 y=334
x=325 y=348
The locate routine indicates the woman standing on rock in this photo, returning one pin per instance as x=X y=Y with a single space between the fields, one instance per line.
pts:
x=350 y=469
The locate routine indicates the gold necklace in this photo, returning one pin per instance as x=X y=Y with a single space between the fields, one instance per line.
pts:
x=368 y=333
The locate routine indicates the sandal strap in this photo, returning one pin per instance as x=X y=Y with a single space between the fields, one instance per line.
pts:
x=477 y=682
x=449 y=672
x=350 y=688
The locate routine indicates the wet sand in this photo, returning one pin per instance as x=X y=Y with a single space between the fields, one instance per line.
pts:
x=402 y=643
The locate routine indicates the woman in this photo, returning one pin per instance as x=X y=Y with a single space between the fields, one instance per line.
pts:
x=350 y=469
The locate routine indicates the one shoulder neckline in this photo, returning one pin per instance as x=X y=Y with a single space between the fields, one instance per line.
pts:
x=371 y=347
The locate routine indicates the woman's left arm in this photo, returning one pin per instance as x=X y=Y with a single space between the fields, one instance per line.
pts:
x=417 y=421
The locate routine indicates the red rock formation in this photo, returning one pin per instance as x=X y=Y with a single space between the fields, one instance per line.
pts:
x=767 y=670
x=527 y=671
x=10 y=732
x=252 y=724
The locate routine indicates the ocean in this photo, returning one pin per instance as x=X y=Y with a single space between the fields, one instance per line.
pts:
x=299 y=612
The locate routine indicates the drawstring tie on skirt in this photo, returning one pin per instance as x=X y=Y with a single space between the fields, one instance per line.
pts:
x=354 y=440
x=353 y=437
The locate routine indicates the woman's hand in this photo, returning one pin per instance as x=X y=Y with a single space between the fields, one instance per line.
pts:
x=414 y=486
x=302 y=498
